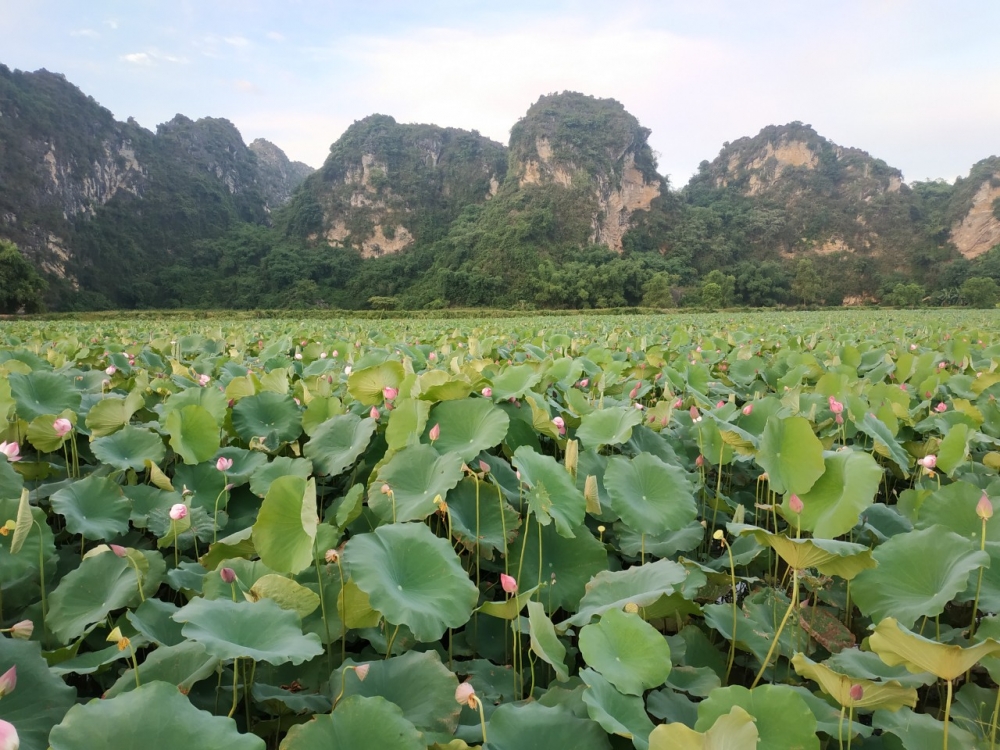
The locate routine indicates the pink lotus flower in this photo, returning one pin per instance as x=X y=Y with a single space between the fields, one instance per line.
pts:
x=484 y=467
x=836 y=406
x=334 y=354
x=678 y=404
x=487 y=392
x=465 y=695
x=361 y=671
x=560 y=424
x=508 y=583
x=228 y=575
x=203 y=380
x=390 y=393
x=298 y=355
x=8 y=681
x=984 y=508
x=62 y=426
x=11 y=450
x=748 y=410
x=698 y=349
x=22 y=630
x=8 y=736
x=795 y=503
x=331 y=555
x=110 y=370
x=720 y=404
x=634 y=392
x=374 y=413
x=913 y=347
x=224 y=464
x=432 y=356
x=857 y=692
x=118 y=550
x=700 y=461
x=695 y=414
x=178 y=511
x=585 y=382
x=347 y=369
x=941 y=407
x=928 y=462
x=435 y=432
x=322 y=355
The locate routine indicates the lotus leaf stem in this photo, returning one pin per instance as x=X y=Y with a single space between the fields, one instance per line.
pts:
x=732 y=578
x=784 y=620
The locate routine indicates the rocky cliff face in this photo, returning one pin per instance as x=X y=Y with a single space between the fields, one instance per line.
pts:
x=976 y=209
x=385 y=185
x=574 y=141
x=278 y=176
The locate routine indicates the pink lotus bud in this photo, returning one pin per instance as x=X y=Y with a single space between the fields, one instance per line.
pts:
x=435 y=432
x=110 y=370
x=857 y=692
x=297 y=402
x=322 y=355
x=678 y=404
x=518 y=475
x=385 y=489
x=224 y=464
x=928 y=462
x=697 y=348
x=390 y=393
x=11 y=450
x=835 y=406
x=228 y=575
x=118 y=550
x=585 y=382
x=695 y=414
x=298 y=355
x=638 y=406
x=560 y=424
x=334 y=354
x=432 y=356
x=984 y=508
x=361 y=671
x=178 y=511
x=634 y=392
x=902 y=386
x=465 y=694
x=62 y=426
x=484 y=467
x=347 y=369
x=374 y=413
x=839 y=419
x=487 y=392
x=22 y=630
x=8 y=736
x=332 y=555
x=8 y=681
x=942 y=407
x=700 y=461
x=942 y=365
x=720 y=404
x=795 y=503
x=913 y=347
x=508 y=583
x=747 y=410
x=203 y=380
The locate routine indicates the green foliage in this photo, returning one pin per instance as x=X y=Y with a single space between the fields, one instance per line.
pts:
x=906 y=295
x=980 y=292
x=21 y=288
x=807 y=285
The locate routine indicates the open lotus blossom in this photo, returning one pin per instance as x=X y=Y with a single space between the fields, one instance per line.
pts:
x=508 y=583
x=747 y=410
x=928 y=462
x=984 y=508
x=178 y=511
x=435 y=432
x=836 y=406
x=488 y=392
x=11 y=450
x=8 y=681
x=22 y=630
x=390 y=393
x=374 y=413
x=62 y=426
x=465 y=695
x=857 y=692
x=203 y=380
x=8 y=736
x=228 y=575
x=941 y=407
x=331 y=555
x=361 y=671
x=224 y=464
x=795 y=503
x=560 y=424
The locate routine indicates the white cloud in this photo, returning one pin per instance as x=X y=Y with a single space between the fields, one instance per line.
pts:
x=138 y=58
x=89 y=33
x=150 y=57
x=247 y=87
x=111 y=24
x=237 y=41
x=274 y=36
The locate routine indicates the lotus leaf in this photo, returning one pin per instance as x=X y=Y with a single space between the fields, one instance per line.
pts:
x=627 y=651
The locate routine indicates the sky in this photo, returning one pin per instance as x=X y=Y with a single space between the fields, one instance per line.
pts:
x=916 y=83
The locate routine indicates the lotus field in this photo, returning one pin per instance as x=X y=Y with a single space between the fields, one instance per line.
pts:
x=757 y=531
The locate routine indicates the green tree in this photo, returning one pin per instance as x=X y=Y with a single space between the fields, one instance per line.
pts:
x=20 y=285
x=726 y=285
x=980 y=292
x=711 y=295
x=906 y=295
x=657 y=291
x=807 y=285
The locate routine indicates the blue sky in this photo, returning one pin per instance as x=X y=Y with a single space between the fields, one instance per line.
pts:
x=914 y=83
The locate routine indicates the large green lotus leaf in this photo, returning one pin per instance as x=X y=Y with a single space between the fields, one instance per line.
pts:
x=624 y=715
x=918 y=573
x=922 y=731
x=182 y=665
x=287 y=593
x=406 y=422
x=791 y=454
x=491 y=524
x=649 y=494
x=367 y=384
x=468 y=426
x=285 y=529
x=261 y=631
x=828 y=556
x=884 y=442
x=567 y=564
x=552 y=494
x=544 y=641
x=112 y=413
x=417 y=682
x=282 y=466
x=41 y=392
x=154 y=715
x=733 y=731
x=194 y=433
x=357 y=723
x=953 y=449
x=782 y=717
x=40 y=699
x=837 y=499
x=337 y=443
x=897 y=645
x=212 y=399
x=99 y=585
x=245 y=463
x=94 y=507
x=152 y=619
x=611 y=426
x=954 y=507
x=23 y=564
x=532 y=726
x=641 y=585
x=247 y=571
x=627 y=651
x=413 y=578
x=129 y=448
x=515 y=381
x=888 y=695
x=267 y=415
x=416 y=476
x=11 y=482
x=636 y=544
x=42 y=432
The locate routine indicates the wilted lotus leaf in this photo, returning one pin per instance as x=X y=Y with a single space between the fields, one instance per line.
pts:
x=733 y=731
x=782 y=716
x=828 y=556
x=897 y=645
x=888 y=695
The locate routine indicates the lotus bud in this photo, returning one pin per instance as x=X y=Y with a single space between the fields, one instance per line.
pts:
x=795 y=503
x=484 y=467
x=435 y=432
x=465 y=695
x=119 y=550
x=635 y=391
x=560 y=424
x=110 y=370
x=62 y=426
x=719 y=535
x=839 y=419
x=361 y=671
x=8 y=736
x=178 y=511
x=432 y=356
x=913 y=347
x=8 y=681
x=695 y=414
x=942 y=407
x=700 y=461
x=984 y=508
x=928 y=462
x=390 y=393
x=638 y=406
x=585 y=382
x=322 y=355
x=224 y=464
x=678 y=404
x=298 y=355
x=487 y=392
x=228 y=575
x=747 y=410
x=331 y=556
x=11 y=450
x=374 y=413
x=203 y=380
x=22 y=630
x=347 y=369
x=857 y=692
x=508 y=583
